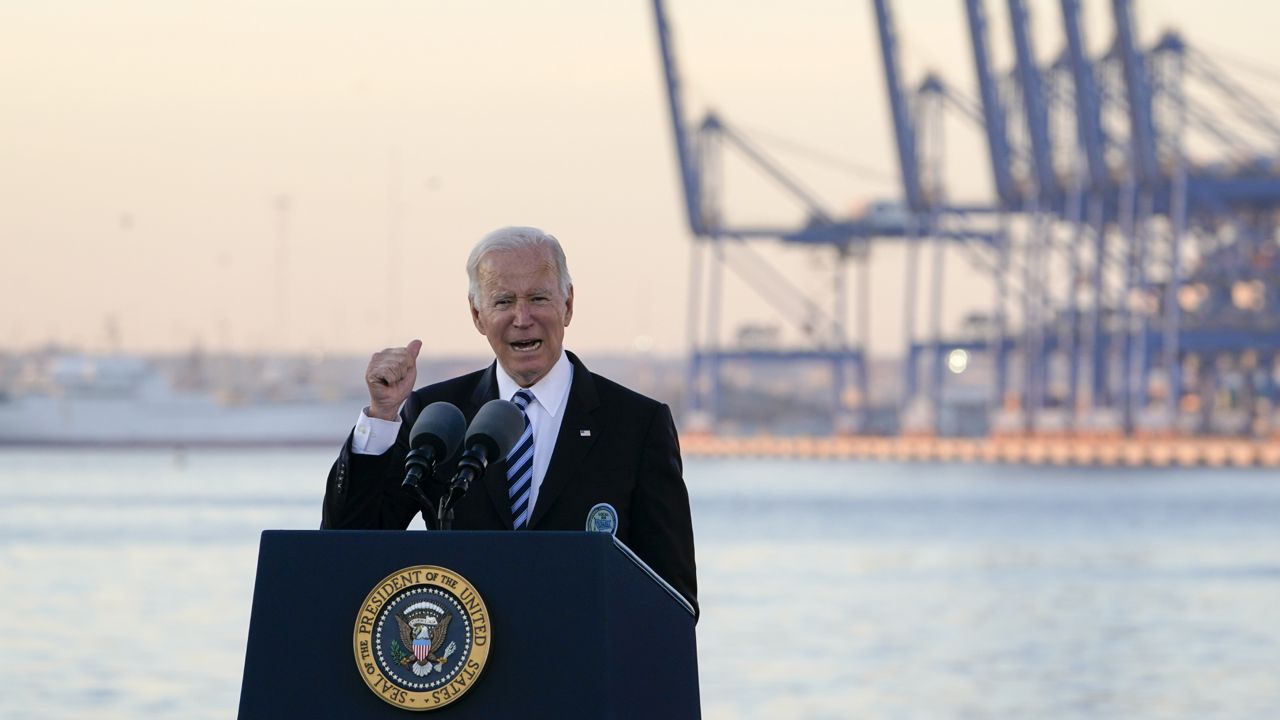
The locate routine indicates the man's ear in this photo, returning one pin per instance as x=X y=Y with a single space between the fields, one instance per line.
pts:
x=475 y=315
x=568 y=307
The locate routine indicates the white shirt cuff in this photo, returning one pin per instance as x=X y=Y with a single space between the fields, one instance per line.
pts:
x=373 y=436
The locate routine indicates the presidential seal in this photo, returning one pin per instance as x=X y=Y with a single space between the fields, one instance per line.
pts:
x=602 y=518
x=422 y=637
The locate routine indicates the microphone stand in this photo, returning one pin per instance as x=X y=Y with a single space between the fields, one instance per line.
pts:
x=444 y=511
x=470 y=466
x=427 y=507
x=444 y=518
x=422 y=460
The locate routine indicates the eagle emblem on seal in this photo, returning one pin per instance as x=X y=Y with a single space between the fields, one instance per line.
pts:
x=423 y=628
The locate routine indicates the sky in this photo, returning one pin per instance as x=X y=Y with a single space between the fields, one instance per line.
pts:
x=309 y=176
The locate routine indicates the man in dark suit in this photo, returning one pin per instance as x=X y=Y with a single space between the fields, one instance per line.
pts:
x=590 y=443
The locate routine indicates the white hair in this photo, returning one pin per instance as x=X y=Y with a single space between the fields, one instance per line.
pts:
x=516 y=238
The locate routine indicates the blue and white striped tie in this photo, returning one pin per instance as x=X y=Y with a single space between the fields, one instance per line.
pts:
x=520 y=466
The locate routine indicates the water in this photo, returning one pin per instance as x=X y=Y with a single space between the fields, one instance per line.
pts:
x=829 y=590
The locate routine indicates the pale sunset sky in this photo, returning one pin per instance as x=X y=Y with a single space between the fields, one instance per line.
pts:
x=144 y=146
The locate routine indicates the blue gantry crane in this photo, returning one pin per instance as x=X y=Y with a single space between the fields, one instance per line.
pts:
x=1119 y=191
x=720 y=244
x=1130 y=240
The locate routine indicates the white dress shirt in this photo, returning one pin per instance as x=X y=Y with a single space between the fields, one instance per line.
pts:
x=374 y=436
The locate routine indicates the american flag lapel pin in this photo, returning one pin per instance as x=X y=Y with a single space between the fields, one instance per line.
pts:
x=584 y=433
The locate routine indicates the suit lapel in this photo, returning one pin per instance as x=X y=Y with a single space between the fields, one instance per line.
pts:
x=495 y=476
x=578 y=432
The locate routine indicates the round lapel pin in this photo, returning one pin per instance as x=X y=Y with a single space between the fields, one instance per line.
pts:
x=602 y=518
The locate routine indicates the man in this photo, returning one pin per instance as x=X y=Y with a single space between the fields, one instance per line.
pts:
x=592 y=440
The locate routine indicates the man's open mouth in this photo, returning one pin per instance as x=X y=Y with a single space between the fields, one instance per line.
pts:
x=526 y=345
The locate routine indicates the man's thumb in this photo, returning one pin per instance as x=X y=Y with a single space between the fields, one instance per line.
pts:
x=414 y=347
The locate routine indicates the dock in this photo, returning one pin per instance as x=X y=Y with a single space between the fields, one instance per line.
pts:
x=1060 y=451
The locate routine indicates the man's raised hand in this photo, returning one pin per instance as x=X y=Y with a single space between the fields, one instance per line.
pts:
x=390 y=377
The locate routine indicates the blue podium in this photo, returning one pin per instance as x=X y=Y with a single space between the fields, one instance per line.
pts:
x=377 y=624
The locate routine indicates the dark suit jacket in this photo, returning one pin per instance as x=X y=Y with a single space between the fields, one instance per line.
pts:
x=615 y=446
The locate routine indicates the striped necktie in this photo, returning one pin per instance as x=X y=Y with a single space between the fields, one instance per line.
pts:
x=520 y=466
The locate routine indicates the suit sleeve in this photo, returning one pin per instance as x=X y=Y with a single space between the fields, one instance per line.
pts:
x=363 y=491
x=662 y=532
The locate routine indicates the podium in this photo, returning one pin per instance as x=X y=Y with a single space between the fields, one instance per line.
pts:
x=565 y=625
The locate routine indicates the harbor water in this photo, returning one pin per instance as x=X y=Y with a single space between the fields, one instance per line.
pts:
x=828 y=589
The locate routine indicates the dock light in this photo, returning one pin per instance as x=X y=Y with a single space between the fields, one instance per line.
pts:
x=957 y=361
x=1248 y=294
x=1191 y=296
x=1143 y=302
x=851 y=397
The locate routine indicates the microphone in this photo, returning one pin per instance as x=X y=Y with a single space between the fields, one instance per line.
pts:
x=435 y=437
x=492 y=434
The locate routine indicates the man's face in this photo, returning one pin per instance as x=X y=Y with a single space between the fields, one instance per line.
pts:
x=522 y=312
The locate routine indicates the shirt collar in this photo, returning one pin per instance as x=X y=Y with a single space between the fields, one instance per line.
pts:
x=550 y=391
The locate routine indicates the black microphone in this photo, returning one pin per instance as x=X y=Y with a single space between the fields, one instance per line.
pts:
x=493 y=432
x=435 y=437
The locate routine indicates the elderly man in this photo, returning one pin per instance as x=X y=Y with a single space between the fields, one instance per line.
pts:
x=594 y=445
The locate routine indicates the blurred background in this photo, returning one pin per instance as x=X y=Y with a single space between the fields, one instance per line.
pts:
x=861 y=220
x=971 y=275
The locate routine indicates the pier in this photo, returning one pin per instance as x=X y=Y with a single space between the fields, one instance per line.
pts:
x=1117 y=451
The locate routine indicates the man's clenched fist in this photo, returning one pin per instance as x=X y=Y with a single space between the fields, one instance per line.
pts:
x=390 y=377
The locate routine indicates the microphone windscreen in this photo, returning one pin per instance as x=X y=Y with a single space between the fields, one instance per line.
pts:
x=441 y=427
x=497 y=427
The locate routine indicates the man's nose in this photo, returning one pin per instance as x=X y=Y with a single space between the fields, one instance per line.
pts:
x=523 y=318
